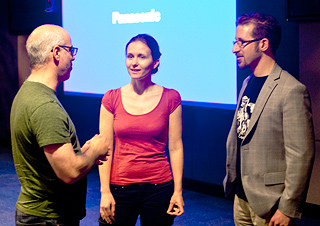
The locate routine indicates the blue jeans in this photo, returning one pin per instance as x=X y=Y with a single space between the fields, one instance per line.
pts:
x=150 y=201
x=23 y=219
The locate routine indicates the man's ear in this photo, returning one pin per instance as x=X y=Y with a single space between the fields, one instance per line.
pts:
x=264 y=44
x=56 y=53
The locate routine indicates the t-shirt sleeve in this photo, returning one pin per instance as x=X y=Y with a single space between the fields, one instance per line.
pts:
x=108 y=100
x=50 y=124
x=174 y=100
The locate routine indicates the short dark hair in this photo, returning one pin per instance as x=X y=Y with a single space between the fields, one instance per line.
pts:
x=266 y=26
x=151 y=43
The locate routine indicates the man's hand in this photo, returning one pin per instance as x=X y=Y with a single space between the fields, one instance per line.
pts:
x=101 y=146
x=279 y=219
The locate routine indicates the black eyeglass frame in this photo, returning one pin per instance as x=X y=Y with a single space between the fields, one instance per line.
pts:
x=73 y=50
x=245 y=42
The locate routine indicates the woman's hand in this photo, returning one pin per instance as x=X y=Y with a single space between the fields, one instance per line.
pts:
x=176 y=204
x=107 y=207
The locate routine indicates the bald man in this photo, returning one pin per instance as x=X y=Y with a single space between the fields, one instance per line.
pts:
x=49 y=161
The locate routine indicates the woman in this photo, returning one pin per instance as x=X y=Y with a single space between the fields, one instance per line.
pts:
x=140 y=117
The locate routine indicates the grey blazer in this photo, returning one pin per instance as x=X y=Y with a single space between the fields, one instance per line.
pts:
x=277 y=152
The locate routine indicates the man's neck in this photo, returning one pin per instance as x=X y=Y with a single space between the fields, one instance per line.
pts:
x=264 y=67
x=44 y=77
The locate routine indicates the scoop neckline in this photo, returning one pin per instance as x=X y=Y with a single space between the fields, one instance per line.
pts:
x=163 y=88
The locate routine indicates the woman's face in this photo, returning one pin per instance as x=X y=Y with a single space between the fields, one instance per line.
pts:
x=139 y=60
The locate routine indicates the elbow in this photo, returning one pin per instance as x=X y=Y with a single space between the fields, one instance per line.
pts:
x=69 y=178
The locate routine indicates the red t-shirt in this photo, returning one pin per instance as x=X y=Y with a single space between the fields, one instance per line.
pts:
x=140 y=140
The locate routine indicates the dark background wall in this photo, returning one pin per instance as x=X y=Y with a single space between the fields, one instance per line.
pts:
x=205 y=128
x=9 y=84
x=288 y=53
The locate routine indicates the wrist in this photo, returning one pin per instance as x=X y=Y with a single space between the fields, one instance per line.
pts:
x=105 y=191
x=178 y=191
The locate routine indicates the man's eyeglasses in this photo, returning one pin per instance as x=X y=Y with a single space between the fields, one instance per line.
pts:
x=71 y=49
x=242 y=43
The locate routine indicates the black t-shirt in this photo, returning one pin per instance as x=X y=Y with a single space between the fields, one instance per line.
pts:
x=244 y=114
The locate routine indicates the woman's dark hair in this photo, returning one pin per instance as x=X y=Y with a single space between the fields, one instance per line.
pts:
x=151 y=43
x=265 y=27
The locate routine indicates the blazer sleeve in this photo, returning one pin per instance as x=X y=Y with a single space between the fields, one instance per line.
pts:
x=299 y=149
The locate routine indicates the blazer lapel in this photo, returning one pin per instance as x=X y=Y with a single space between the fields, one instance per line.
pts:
x=263 y=97
x=234 y=122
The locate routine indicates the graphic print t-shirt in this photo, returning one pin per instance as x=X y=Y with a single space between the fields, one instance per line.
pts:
x=244 y=114
x=247 y=104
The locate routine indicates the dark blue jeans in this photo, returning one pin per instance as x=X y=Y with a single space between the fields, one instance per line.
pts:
x=150 y=201
x=23 y=219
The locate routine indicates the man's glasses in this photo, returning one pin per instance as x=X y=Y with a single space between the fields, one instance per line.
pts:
x=71 y=49
x=243 y=44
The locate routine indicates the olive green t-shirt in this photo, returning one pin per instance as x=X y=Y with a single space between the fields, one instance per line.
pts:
x=38 y=119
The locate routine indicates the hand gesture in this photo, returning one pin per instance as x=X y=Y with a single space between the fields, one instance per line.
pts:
x=101 y=146
x=176 y=204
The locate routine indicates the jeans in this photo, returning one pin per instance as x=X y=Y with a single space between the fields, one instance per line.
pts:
x=23 y=219
x=150 y=201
